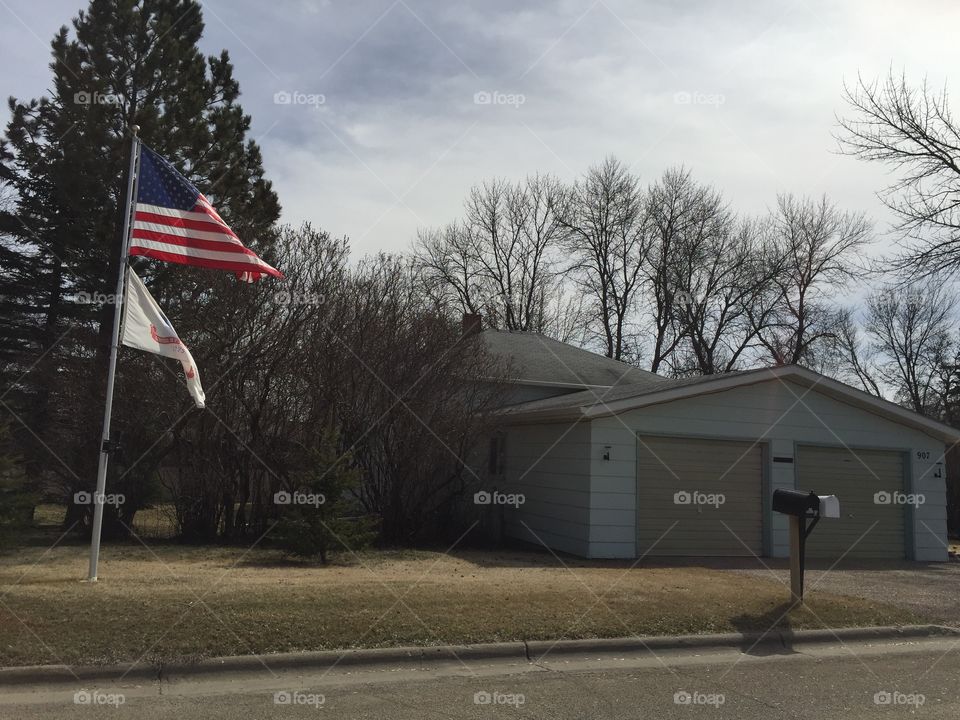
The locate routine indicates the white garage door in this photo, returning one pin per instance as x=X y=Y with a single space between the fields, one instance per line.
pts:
x=863 y=480
x=699 y=497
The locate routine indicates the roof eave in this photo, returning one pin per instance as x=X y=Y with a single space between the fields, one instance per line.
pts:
x=720 y=384
x=552 y=415
x=548 y=383
x=852 y=395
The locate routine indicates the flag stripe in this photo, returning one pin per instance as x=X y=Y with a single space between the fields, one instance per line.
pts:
x=193 y=251
x=141 y=218
x=179 y=236
x=200 y=259
x=173 y=212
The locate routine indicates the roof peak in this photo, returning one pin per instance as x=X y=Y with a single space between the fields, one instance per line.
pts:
x=542 y=359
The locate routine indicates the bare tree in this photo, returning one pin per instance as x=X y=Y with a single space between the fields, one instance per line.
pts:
x=911 y=129
x=707 y=279
x=501 y=259
x=816 y=249
x=910 y=328
x=568 y=316
x=855 y=358
x=449 y=269
x=357 y=348
x=407 y=394
x=731 y=296
x=672 y=204
x=905 y=347
x=261 y=347
x=605 y=232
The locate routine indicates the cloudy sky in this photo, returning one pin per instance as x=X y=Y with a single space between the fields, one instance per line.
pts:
x=376 y=116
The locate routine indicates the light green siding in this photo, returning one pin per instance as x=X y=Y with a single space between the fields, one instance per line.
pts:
x=550 y=465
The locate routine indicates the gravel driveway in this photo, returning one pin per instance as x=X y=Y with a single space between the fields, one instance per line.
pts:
x=929 y=589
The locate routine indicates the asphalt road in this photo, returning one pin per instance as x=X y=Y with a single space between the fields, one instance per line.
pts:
x=918 y=679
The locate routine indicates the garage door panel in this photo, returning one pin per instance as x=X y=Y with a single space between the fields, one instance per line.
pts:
x=865 y=529
x=708 y=464
x=666 y=466
x=701 y=540
x=733 y=520
x=665 y=493
x=707 y=528
x=718 y=474
x=718 y=479
x=881 y=479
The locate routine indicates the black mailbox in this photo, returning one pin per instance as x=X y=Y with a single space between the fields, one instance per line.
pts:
x=801 y=507
x=796 y=503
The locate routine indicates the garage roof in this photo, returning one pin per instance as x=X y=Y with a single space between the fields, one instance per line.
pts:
x=600 y=402
x=539 y=360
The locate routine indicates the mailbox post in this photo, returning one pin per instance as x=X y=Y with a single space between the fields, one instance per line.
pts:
x=802 y=507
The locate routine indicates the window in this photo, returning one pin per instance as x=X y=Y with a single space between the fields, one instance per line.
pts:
x=495 y=463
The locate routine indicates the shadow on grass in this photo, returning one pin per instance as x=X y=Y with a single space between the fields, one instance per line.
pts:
x=276 y=558
x=270 y=559
x=527 y=556
x=766 y=634
x=523 y=555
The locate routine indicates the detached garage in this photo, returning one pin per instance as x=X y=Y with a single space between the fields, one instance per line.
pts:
x=655 y=466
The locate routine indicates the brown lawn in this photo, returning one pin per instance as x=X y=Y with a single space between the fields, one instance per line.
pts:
x=177 y=603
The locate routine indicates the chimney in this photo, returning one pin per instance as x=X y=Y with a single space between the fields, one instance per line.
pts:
x=472 y=324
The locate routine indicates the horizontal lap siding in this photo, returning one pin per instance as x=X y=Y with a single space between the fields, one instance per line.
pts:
x=550 y=465
x=930 y=519
x=751 y=411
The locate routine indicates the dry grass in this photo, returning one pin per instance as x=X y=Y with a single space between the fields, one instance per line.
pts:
x=155 y=522
x=188 y=603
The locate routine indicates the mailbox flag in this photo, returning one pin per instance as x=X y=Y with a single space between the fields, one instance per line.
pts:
x=145 y=327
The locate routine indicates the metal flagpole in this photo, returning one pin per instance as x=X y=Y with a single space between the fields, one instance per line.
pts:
x=105 y=446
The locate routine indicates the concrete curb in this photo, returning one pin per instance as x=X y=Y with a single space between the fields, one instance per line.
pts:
x=421 y=657
x=65 y=674
x=370 y=657
x=737 y=640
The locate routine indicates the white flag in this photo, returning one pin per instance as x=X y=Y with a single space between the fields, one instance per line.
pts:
x=146 y=327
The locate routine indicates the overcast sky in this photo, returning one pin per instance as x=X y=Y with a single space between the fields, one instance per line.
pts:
x=422 y=99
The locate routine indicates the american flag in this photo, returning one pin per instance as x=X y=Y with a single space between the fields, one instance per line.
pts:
x=173 y=221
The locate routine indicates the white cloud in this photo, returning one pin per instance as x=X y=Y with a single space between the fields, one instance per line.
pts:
x=597 y=78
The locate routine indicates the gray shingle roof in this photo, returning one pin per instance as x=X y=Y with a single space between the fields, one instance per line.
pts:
x=542 y=360
x=599 y=396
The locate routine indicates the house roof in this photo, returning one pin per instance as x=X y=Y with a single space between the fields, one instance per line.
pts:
x=601 y=402
x=540 y=360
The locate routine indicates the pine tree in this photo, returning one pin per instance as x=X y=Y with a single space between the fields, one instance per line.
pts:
x=16 y=502
x=321 y=513
x=65 y=159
